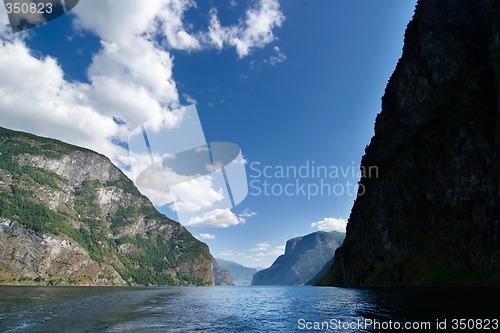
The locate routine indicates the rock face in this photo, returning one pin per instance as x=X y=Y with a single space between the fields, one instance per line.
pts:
x=222 y=276
x=68 y=216
x=431 y=217
x=303 y=259
x=242 y=276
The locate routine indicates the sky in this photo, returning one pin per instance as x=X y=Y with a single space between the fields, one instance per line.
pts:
x=294 y=84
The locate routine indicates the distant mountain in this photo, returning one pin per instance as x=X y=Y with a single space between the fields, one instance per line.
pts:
x=68 y=216
x=222 y=276
x=304 y=258
x=242 y=276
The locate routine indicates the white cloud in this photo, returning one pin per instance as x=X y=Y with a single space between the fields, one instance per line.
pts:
x=189 y=99
x=227 y=253
x=130 y=78
x=220 y=218
x=330 y=224
x=187 y=194
x=35 y=97
x=159 y=18
x=246 y=214
x=164 y=20
x=261 y=247
x=278 y=250
x=263 y=250
x=133 y=81
x=217 y=218
x=197 y=194
x=277 y=58
x=255 y=31
x=205 y=236
x=172 y=16
x=158 y=198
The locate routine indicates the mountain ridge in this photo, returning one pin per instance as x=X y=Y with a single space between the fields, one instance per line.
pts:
x=304 y=258
x=64 y=207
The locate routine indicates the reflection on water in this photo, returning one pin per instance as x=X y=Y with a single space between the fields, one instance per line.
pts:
x=230 y=309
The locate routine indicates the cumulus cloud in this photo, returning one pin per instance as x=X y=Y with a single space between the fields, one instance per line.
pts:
x=172 y=24
x=205 y=236
x=217 y=218
x=246 y=214
x=261 y=247
x=184 y=194
x=130 y=80
x=277 y=58
x=278 y=250
x=164 y=20
x=226 y=253
x=189 y=99
x=220 y=218
x=196 y=194
x=261 y=251
x=159 y=18
x=131 y=76
x=255 y=31
x=133 y=81
x=35 y=97
x=330 y=224
x=265 y=249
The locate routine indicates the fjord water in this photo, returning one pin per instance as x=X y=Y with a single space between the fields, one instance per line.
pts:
x=231 y=309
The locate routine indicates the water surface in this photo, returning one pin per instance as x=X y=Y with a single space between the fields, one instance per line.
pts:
x=235 y=309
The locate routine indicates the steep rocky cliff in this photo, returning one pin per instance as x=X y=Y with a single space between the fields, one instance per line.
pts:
x=69 y=216
x=222 y=276
x=303 y=259
x=431 y=217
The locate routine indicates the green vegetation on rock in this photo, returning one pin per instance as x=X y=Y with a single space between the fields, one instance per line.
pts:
x=53 y=189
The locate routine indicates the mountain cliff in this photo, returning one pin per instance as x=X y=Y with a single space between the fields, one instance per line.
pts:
x=68 y=216
x=242 y=276
x=222 y=276
x=303 y=259
x=431 y=217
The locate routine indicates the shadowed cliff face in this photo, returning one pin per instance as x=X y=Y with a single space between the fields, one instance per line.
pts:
x=431 y=217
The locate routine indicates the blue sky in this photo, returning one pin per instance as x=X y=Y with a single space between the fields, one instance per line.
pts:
x=293 y=83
